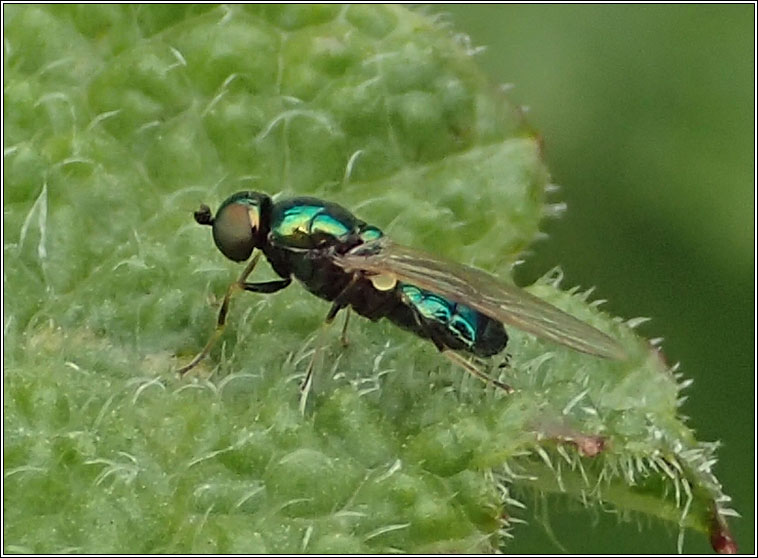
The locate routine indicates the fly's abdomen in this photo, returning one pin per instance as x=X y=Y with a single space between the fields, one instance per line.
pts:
x=455 y=325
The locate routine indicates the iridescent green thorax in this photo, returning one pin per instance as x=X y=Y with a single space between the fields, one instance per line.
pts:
x=308 y=223
x=301 y=225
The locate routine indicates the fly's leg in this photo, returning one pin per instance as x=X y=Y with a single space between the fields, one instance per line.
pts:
x=460 y=361
x=307 y=383
x=267 y=287
x=343 y=337
x=339 y=303
x=506 y=361
x=238 y=285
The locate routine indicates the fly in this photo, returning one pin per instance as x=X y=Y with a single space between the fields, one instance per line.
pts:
x=346 y=261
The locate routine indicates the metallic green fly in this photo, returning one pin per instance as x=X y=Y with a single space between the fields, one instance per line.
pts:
x=346 y=261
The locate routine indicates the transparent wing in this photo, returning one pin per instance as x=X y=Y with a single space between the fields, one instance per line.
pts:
x=481 y=291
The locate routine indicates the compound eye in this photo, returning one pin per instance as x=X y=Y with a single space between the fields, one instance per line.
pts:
x=234 y=231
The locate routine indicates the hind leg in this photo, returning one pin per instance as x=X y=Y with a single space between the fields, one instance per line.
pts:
x=456 y=358
x=474 y=370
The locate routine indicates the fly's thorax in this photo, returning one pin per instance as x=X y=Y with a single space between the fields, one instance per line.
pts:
x=305 y=233
x=306 y=223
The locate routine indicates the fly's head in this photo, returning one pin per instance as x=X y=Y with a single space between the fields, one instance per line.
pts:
x=240 y=224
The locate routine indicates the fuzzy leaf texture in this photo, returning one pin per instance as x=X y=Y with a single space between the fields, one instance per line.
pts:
x=119 y=122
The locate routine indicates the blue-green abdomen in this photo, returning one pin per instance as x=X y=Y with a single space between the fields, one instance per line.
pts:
x=457 y=325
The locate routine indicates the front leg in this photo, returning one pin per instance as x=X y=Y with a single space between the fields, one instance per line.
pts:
x=238 y=285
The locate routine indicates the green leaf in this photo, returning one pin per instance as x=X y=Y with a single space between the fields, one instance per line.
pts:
x=119 y=122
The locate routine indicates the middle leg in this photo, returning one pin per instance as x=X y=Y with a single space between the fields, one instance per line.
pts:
x=339 y=303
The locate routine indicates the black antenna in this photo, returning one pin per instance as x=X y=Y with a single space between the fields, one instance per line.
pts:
x=203 y=215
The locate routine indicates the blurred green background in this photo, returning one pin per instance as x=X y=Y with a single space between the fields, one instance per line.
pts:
x=647 y=118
